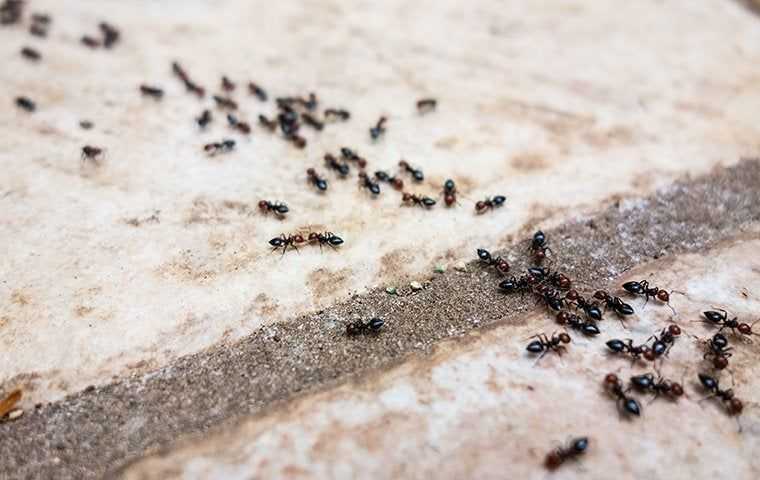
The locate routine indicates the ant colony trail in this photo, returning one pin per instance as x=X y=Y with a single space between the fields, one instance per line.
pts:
x=408 y=240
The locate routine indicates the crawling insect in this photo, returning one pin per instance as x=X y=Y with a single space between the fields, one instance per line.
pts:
x=449 y=192
x=379 y=128
x=483 y=206
x=333 y=164
x=359 y=327
x=646 y=383
x=500 y=264
x=334 y=115
x=91 y=153
x=26 y=104
x=733 y=405
x=544 y=344
x=419 y=200
x=625 y=404
x=720 y=318
x=326 y=238
x=366 y=182
x=587 y=327
x=396 y=182
x=718 y=351
x=286 y=241
x=224 y=146
x=154 y=92
x=278 y=208
x=635 y=351
x=560 y=455
x=426 y=105
x=316 y=180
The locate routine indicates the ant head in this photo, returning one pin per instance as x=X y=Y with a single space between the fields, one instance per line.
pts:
x=650 y=355
x=403 y=164
x=720 y=363
x=406 y=197
x=564 y=338
x=735 y=406
x=611 y=379
x=398 y=184
x=562 y=317
x=663 y=296
x=313 y=236
x=263 y=204
x=449 y=199
x=676 y=389
x=480 y=205
x=540 y=254
x=601 y=295
x=310 y=171
x=674 y=330
x=298 y=238
x=745 y=329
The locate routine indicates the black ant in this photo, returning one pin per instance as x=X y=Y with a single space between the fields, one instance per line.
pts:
x=257 y=91
x=91 y=153
x=333 y=114
x=588 y=327
x=615 y=303
x=185 y=78
x=500 y=264
x=664 y=342
x=560 y=455
x=538 y=246
x=154 y=92
x=288 y=120
x=327 y=238
x=227 y=84
x=426 y=105
x=204 y=119
x=311 y=121
x=733 y=405
x=333 y=164
x=718 y=350
x=591 y=309
x=30 y=54
x=378 y=129
x=449 y=192
x=489 y=203
x=241 y=127
x=286 y=241
x=279 y=209
x=635 y=351
x=626 y=404
x=420 y=200
x=26 y=104
x=416 y=173
x=396 y=182
x=646 y=383
x=720 y=318
x=110 y=34
x=316 y=180
x=544 y=344
x=224 y=146
x=513 y=284
x=351 y=156
x=225 y=102
x=88 y=41
x=550 y=296
x=366 y=182
x=359 y=327
x=642 y=288
x=270 y=125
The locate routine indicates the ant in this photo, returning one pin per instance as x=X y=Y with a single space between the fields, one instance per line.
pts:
x=316 y=180
x=550 y=297
x=646 y=383
x=278 y=208
x=359 y=327
x=333 y=114
x=512 y=284
x=154 y=92
x=352 y=156
x=30 y=54
x=426 y=105
x=224 y=146
x=86 y=124
x=241 y=127
x=490 y=203
x=663 y=343
x=614 y=387
x=538 y=246
x=333 y=164
x=225 y=102
x=733 y=405
x=110 y=34
x=642 y=288
x=718 y=350
x=591 y=309
x=499 y=263
x=396 y=182
x=449 y=192
x=327 y=238
x=284 y=242
x=422 y=201
x=38 y=30
x=204 y=119
x=91 y=153
x=257 y=91
x=378 y=129
x=588 y=327
x=88 y=41
x=288 y=122
x=270 y=125
x=311 y=121
x=296 y=140
x=366 y=182
x=560 y=455
x=560 y=280
x=26 y=104
x=416 y=173
x=615 y=303
x=227 y=84
x=721 y=318
x=635 y=351
x=185 y=78
x=544 y=344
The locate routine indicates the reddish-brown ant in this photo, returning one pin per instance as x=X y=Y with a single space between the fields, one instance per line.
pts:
x=259 y=92
x=91 y=153
x=296 y=140
x=359 y=327
x=588 y=327
x=333 y=114
x=279 y=209
x=333 y=164
x=483 y=206
x=560 y=280
x=560 y=455
x=351 y=156
x=316 y=180
x=30 y=54
x=110 y=34
x=286 y=241
x=225 y=102
x=426 y=105
x=204 y=119
x=26 y=104
x=154 y=92
x=396 y=182
x=89 y=41
x=224 y=146
x=241 y=127
x=626 y=404
x=366 y=182
x=733 y=405
x=189 y=84
x=538 y=246
x=718 y=351
x=449 y=192
x=378 y=129
x=544 y=344
x=270 y=125
x=635 y=351
x=227 y=84
x=720 y=318
x=642 y=288
x=311 y=121
x=500 y=264
x=416 y=173
x=614 y=303
x=646 y=383
x=419 y=200
x=326 y=238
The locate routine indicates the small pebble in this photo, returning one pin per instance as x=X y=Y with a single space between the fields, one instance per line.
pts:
x=416 y=286
x=390 y=290
x=13 y=415
x=440 y=268
x=461 y=267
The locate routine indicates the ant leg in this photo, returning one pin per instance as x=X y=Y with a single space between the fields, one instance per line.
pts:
x=707 y=398
x=672 y=309
x=540 y=357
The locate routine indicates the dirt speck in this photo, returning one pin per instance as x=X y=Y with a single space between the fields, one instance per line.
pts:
x=20 y=298
x=529 y=162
